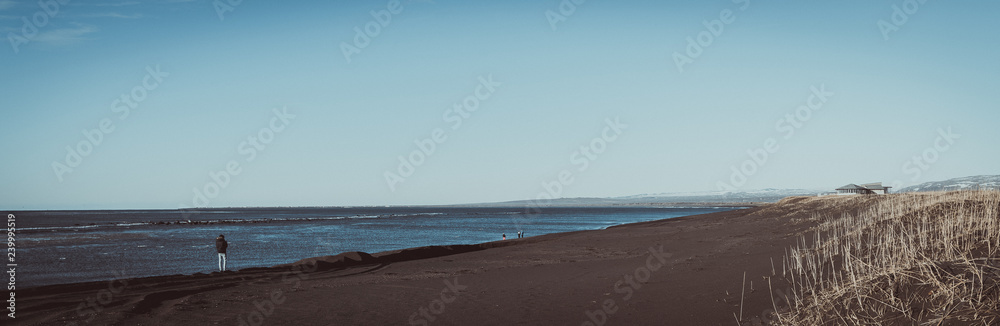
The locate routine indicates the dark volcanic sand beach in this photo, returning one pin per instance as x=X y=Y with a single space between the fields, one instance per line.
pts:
x=556 y=279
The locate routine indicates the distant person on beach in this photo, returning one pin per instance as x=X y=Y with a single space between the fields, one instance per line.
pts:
x=505 y=236
x=220 y=246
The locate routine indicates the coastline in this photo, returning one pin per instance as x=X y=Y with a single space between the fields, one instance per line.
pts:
x=144 y=243
x=685 y=270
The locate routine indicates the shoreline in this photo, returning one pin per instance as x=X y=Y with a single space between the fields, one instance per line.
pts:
x=686 y=270
x=290 y=259
x=141 y=296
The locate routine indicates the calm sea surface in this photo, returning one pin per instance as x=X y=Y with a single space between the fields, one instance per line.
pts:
x=74 y=246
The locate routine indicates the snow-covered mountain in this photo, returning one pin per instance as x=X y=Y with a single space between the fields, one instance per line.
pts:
x=973 y=182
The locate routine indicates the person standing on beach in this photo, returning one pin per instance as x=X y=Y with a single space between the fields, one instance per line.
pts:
x=220 y=246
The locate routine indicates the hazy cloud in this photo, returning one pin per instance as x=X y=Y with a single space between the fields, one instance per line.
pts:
x=6 y=4
x=109 y=15
x=108 y=4
x=65 y=36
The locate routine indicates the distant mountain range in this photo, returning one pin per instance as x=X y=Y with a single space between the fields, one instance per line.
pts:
x=709 y=198
x=973 y=182
x=734 y=198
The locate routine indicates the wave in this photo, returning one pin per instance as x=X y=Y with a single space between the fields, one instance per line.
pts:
x=58 y=227
x=222 y=221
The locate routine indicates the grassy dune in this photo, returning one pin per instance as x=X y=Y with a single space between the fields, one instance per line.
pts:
x=902 y=259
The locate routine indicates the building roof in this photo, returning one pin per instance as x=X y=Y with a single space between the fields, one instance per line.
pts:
x=875 y=186
x=849 y=187
x=868 y=186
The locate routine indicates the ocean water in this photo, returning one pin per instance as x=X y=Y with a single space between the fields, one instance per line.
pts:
x=56 y=247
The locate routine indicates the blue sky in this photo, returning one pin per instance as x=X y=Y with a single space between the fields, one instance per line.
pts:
x=206 y=82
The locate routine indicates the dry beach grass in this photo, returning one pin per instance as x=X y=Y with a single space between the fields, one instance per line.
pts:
x=905 y=259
